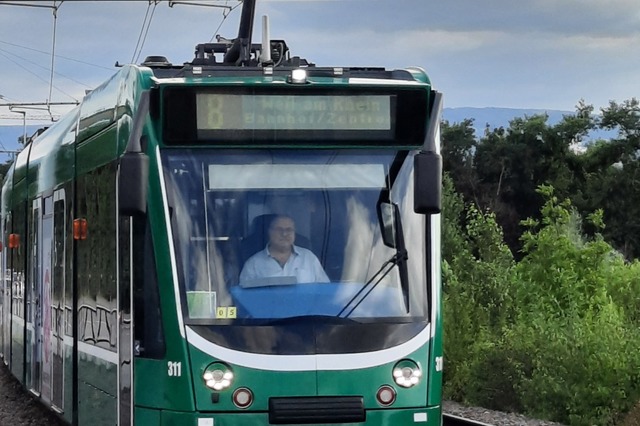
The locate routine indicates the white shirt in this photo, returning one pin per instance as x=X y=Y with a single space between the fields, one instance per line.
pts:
x=302 y=264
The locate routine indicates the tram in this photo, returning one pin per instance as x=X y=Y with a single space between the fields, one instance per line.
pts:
x=127 y=224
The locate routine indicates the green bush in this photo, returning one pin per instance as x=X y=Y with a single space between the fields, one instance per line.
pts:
x=554 y=336
x=495 y=373
x=584 y=369
x=477 y=269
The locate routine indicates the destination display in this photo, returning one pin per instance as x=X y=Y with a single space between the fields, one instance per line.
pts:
x=293 y=116
x=293 y=112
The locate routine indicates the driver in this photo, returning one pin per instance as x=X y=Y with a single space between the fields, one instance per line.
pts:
x=281 y=258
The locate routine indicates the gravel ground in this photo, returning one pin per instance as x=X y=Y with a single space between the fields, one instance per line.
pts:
x=18 y=407
x=497 y=418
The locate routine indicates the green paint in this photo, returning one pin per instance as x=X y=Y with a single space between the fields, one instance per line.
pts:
x=104 y=123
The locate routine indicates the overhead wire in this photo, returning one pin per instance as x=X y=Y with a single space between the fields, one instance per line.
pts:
x=136 y=54
x=57 y=56
x=225 y=14
x=53 y=54
x=55 y=7
x=144 y=22
x=37 y=76
x=147 y=30
x=144 y=29
x=44 y=68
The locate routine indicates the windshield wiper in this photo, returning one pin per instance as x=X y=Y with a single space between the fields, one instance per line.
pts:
x=400 y=258
x=393 y=236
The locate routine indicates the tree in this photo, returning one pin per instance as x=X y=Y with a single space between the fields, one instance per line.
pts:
x=610 y=177
x=458 y=149
x=501 y=170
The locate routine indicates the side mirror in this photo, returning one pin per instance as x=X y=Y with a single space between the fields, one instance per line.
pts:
x=387 y=219
x=133 y=183
x=427 y=183
x=134 y=166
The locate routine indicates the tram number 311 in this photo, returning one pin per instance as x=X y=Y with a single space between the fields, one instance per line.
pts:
x=175 y=369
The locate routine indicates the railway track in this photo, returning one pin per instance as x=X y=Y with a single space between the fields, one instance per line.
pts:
x=451 y=420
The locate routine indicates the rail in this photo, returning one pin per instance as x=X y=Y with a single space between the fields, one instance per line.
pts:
x=451 y=420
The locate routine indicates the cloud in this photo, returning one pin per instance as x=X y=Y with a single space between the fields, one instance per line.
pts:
x=551 y=16
x=534 y=53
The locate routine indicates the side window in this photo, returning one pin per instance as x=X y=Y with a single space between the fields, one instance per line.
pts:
x=97 y=274
x=17 y=262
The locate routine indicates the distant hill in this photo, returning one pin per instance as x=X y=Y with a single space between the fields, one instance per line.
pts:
x=483 y=117
x=499 y=117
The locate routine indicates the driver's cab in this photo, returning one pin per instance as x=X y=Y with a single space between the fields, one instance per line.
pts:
x=222 y=202
x=237 y=225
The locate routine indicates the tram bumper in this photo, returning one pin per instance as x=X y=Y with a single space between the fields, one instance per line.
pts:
x=300 y=390
x=430 y=416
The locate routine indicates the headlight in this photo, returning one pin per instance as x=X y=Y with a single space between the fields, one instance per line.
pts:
x=298 y=76
x=406 y=373
x=218 y=376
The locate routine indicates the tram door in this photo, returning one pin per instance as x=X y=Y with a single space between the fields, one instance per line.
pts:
x=34 y=300
x=58 y=314
x=45 y=280
x=40 y=302
x=46 y=252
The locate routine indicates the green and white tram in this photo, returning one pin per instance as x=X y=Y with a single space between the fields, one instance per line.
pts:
x=126 y=226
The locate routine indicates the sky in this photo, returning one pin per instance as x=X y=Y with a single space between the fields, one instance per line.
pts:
x=543 y=54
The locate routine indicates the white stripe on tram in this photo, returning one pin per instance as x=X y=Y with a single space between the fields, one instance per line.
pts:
x=310 y=362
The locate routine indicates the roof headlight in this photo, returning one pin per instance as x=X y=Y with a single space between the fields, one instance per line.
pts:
x=406 y=373
x=298 y=76
x=218 y=376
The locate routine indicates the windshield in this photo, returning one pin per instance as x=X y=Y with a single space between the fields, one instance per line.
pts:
x=268 y=235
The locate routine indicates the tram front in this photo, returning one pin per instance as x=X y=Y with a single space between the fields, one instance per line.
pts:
x=307 y=284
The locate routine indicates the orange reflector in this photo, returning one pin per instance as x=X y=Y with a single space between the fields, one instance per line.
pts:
x=80 y=229
x=14 y=240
